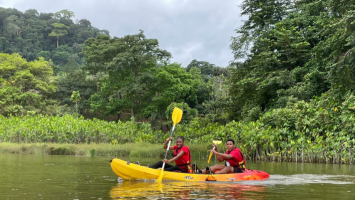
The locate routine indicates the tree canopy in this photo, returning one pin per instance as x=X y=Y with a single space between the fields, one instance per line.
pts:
x=24 y=86
x=300 y=54
x=32 y=34
x=135 y=75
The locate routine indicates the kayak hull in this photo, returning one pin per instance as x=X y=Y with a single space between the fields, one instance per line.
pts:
x=130 y=171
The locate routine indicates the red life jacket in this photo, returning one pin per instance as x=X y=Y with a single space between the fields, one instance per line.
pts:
x=238 y=159
x=184 y=162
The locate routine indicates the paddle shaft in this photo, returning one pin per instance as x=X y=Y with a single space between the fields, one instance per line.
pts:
x=167 y=149
x=209 y=158
x=176 y=117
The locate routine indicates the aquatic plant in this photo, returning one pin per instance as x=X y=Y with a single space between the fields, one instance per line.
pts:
x=317 y=131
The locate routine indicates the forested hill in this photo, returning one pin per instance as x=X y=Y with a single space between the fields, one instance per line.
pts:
x=42 y=71
x=53 y=36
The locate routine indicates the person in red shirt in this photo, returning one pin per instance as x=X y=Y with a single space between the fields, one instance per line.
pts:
x=234 y=160
x=182 y=157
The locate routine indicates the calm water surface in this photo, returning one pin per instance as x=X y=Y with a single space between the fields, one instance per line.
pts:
x=72 y=177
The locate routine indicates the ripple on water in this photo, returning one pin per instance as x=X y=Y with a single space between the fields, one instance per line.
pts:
x=299 y=179
x=218 y=190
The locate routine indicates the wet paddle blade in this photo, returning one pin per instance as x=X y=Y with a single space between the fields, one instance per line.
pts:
x=160 y=178
x=177 y=115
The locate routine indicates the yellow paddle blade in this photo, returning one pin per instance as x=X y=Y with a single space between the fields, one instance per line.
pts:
x=160 y=187
x=160 y=178
x=177 y=115
x=216 y=142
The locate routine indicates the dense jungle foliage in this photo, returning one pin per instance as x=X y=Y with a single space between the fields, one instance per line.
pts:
x=288 y=95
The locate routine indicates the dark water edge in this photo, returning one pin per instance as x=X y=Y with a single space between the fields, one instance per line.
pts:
x=82 y=177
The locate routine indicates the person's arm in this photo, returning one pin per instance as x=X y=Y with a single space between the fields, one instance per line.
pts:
x=166 y=144
x=219 y=158
x=175 y=158
x=222 y=156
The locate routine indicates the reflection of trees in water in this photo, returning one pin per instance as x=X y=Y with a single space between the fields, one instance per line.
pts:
x=186 y=190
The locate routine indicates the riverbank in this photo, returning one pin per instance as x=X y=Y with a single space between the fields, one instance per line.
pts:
x=143 y=150
x=288 y=134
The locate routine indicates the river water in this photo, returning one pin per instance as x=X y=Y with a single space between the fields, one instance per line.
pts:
x=78 y=177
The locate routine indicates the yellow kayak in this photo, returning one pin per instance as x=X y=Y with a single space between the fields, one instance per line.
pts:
x=130 y=171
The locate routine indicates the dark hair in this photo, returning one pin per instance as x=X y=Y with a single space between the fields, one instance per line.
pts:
x=181 y=137
x=230 y=140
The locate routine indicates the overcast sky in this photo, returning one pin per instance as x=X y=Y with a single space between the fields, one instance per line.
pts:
x=189 y=29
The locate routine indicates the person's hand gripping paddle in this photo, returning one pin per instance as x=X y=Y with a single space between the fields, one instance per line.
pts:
x=176 y=117
x=216 y=142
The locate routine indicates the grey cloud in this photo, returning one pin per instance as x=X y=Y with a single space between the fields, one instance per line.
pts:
x=189 y=29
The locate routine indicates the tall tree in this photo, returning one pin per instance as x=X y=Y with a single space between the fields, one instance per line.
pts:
x=58 y=31
x=262 y=15
x=173 y=84
x=280 y=66
x=65 y=13
x=24 y=85
x=75 y=97
x=124 y=61
x=12 y=26
x=211 y=75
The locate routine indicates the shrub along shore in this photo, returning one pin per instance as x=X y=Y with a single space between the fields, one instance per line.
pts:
x=289 y=134
x=136 y=150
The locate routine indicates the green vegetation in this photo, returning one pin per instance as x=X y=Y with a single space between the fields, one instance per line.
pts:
x=278 y=135
x=290 y=99
x=136 y=150
x=25 y=86
x=71 y=129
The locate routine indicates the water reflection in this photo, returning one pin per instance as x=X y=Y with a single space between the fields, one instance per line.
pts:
x=186 y=190
x=77 y=177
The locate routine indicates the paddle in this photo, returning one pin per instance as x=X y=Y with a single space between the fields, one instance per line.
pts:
x=216 y=142
x=176 y=117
